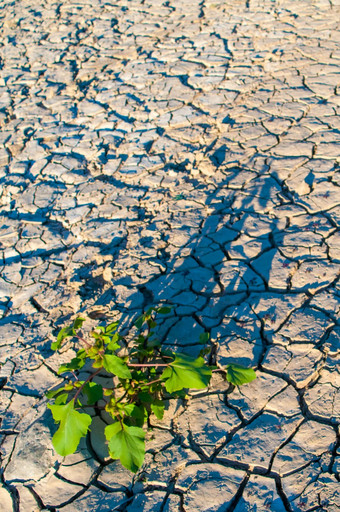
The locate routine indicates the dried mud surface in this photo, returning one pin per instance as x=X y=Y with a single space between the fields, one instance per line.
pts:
x=183 y=152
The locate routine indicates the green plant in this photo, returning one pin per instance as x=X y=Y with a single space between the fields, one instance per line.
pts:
x=141 y=376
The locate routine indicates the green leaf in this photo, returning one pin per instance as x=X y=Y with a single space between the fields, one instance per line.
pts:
x=238 y=375
x=75 y=364
x=140 y=321
x=113 y=364
x=140 y=414
x=113 y=345
x=134 y=414
x=129 y=408
x=110 y=329
x=149 y=311
x=73 y=426
x=186 y=372
x=98 y=361
x=77 y=324
x=127 y=444
x=96 y=335
x=145 y=397
x=61 y=399
x=204 y=338
x=53 y=392
x=165 y=310
x=92 y=352
x=157 y=408
x=65 y=332
x=204 y=351
x=93 y=391
x=81 y=354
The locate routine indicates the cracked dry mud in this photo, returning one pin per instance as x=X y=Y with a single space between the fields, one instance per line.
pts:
x=185 y=152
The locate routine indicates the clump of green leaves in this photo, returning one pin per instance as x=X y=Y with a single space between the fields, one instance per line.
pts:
x=142 y=376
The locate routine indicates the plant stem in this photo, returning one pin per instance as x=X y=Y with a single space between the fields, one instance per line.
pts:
x=152 y=382
x=141 y=365
x=84 y=341
x=90 y=377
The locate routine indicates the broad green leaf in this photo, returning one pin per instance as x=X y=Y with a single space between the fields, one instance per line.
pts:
x=145 y=397
x=157 y=408
x=128 y=408
x=140 y=415
x=134 y=414
x=93 y=391
x=113 y=364
x=77 y=324
x=74 y=364
x=127 y=444
x=186 y=372
x=238 y=375
x=65 y=332
x=164 y=310
x=73 y=426
x=61 y=399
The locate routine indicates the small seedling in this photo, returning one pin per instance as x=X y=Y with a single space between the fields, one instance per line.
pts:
x=142 y=375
